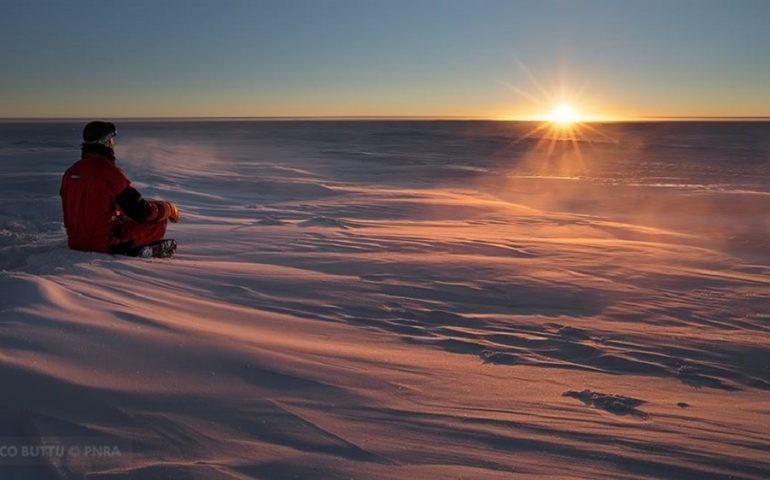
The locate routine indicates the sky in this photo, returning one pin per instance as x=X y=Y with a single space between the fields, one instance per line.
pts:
x=430 y=58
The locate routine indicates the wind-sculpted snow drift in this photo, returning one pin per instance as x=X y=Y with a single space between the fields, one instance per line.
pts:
x=393 y=300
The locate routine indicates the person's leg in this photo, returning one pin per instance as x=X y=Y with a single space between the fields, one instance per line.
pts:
x=141 y=234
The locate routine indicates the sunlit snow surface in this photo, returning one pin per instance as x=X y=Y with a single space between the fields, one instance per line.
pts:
x=397 y=300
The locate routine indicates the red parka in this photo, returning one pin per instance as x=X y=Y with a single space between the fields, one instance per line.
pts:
x=97 y=197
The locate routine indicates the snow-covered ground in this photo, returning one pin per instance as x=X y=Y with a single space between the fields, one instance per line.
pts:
x=395 y=300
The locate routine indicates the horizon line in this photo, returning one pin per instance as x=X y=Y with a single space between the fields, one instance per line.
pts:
x=659 y=118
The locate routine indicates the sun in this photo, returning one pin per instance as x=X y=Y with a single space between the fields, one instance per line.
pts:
x=564 y=114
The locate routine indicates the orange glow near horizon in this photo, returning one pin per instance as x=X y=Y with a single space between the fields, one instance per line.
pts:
x=564 y=115
x=560 y=101
x=564 y=124
x=563 y=112
x=556 y=139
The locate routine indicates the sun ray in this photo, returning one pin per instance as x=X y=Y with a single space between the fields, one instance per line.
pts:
x=599 y=132
x=521 y=92
x=532 y=79
x=576 y=147
x=559 y=142
x=530 y=133
x=564 y=114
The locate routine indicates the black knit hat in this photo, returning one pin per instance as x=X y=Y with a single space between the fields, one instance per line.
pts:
x=97 y=130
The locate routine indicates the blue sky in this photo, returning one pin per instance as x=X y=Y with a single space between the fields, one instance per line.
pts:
x=369 y=58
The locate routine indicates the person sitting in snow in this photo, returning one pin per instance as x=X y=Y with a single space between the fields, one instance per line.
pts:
x=103 y=212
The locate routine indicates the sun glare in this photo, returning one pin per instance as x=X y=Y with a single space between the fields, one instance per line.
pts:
x=558 y=127
x=564 y=114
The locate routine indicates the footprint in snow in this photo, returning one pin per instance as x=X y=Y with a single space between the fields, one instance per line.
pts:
x=270 y=221
x=323 y=221
x=615 y=404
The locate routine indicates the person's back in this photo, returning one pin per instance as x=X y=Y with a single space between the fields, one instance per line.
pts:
x=88 y=192
x=102 y=211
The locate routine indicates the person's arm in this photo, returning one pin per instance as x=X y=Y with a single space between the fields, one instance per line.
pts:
x=140 y=210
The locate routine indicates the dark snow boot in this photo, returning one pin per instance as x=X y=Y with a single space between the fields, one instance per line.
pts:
x=160 y=249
